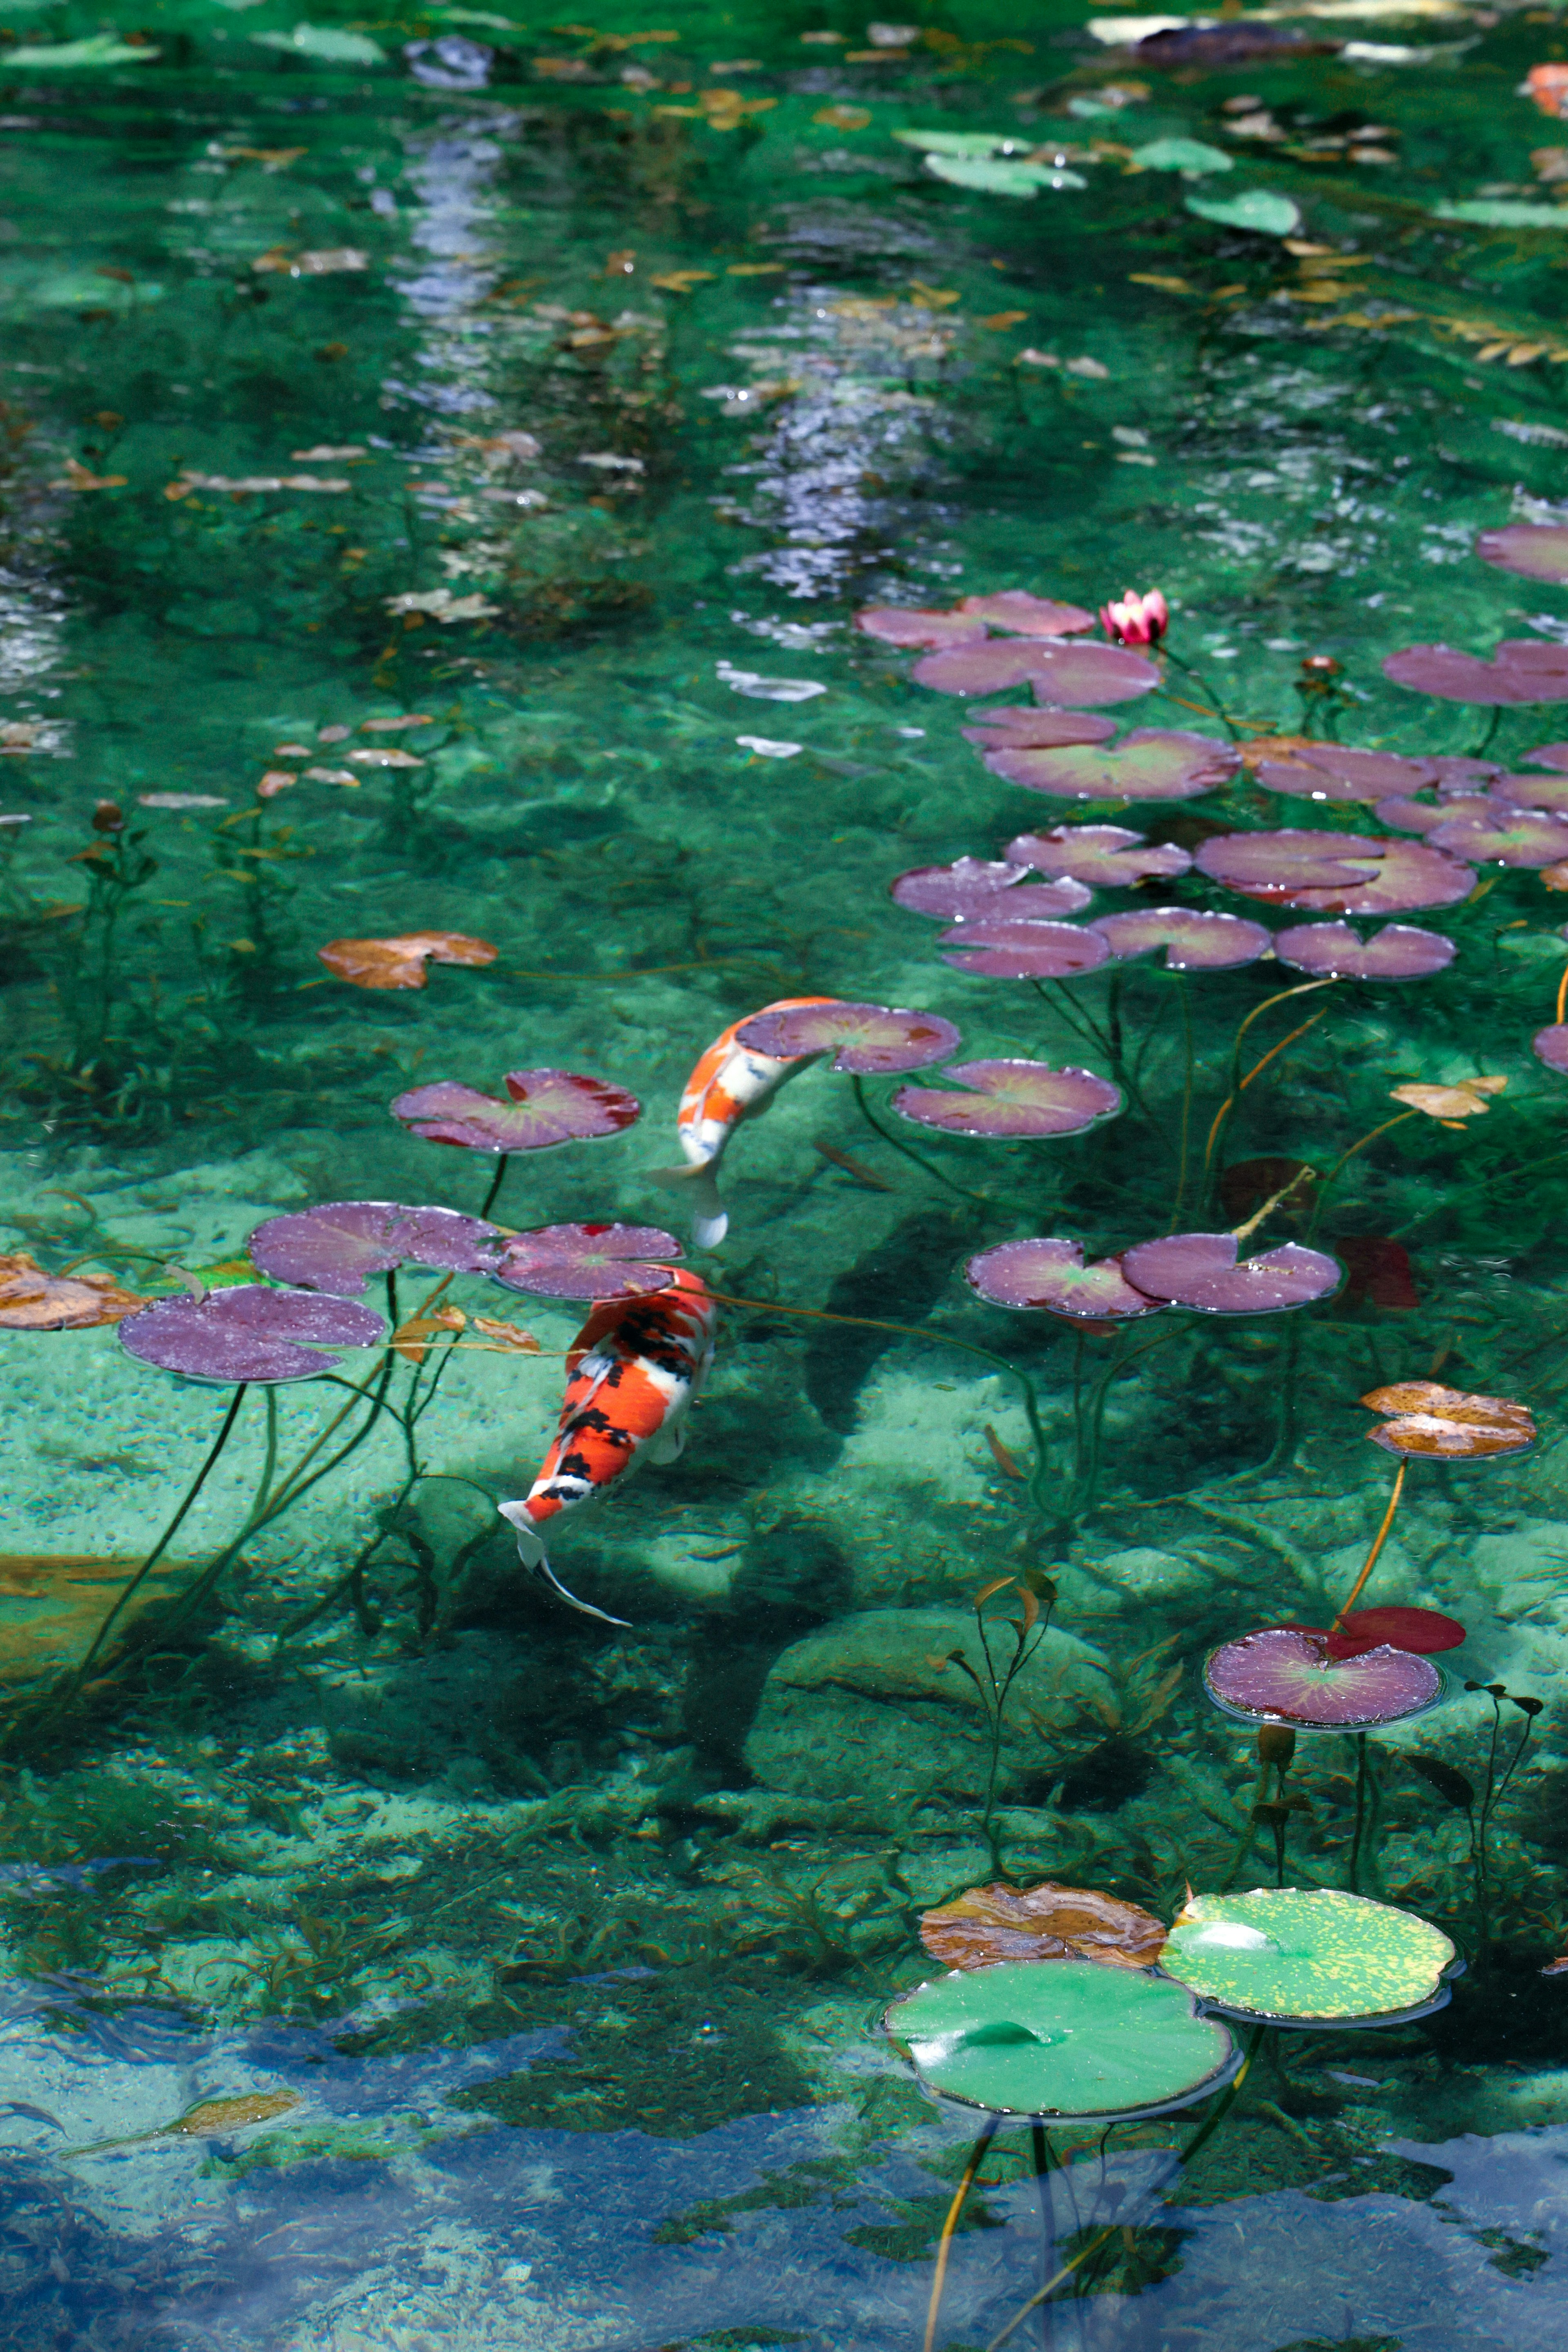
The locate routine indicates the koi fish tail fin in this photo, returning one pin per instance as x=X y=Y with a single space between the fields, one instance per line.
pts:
x=710 y=1219
x=530 y=1551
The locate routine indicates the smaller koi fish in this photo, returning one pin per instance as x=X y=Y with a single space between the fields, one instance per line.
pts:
x=855 y=1167
x=730 y=1083
x=633 y=1374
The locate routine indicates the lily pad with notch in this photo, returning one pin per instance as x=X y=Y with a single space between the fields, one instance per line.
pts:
x=1335 y=873
x=1098 y=855
x=1022 y=727
x=587 y=1261
x=1050 y=1275
x=1061 y=2039
x=1000 y=950
x=1533 y=550
x=983 y=886
x=335 y=1245
x=1184 y=938
x=868 y=1040
x=1315 y=1956
x=1152 y=763
x=1012 y=1099
x=1283 y=1675
x=1437 y=1424
x=1523 y=669
x=1205 y=1273
x=1058 y=671
x=248 y=1333
x=543 y=1108
x=1335 y=952
x=1326 y=771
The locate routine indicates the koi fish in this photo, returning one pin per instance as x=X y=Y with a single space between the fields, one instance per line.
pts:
x=730 y=1083
x=633 y=1374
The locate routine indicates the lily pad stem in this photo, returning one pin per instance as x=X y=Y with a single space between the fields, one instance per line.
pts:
x=1345 y=1156
x=497 y=1181
x=892 y=1140
x=944 y=2244
x=1377 y=1543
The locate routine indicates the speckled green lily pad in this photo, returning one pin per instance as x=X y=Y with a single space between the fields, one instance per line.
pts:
x=1061 y=2038
x=1308 y=1958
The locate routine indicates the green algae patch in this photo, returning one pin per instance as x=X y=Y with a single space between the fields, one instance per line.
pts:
x=1064 y=2037
x=1284 y=1956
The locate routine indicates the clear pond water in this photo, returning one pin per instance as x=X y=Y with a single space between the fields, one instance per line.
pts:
x=394 y=1958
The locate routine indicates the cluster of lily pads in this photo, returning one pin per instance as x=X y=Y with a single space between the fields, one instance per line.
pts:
x=1064 y=2004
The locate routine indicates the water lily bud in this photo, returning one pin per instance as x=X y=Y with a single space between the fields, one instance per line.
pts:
x=1276 y=1745
x=107 y=817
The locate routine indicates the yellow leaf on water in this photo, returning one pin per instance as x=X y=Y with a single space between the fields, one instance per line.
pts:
x=1000 y=321
x=1169 y=285
x=679 y=281
x=1466 y=1099
x=842 y=118
x=931 y=298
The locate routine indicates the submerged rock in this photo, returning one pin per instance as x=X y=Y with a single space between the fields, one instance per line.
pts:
x=872 y=1703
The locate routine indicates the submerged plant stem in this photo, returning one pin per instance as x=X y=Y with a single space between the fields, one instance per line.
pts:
x=497 y=1181
x=944 y=2244
x=1377 y=1543
x=895 y=1144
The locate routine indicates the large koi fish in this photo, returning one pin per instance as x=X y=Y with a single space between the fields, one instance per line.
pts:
x=633 y=1374
x=732 y=1082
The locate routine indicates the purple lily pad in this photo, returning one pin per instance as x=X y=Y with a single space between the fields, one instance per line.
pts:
x=1325 y=772
x=1003 y=951
x=1051 y=1275
x=1192 y=940
x=1201 y=1271
x=1152 y=763
x=546 y=1107
x=1504 y=835
x=1281 y=1675
x=1522 y=670
x=1457 y=773
x=1010 y=1098
x=1024 y=615
x=1022 y=728
x=1533 y=549
x=1549 y=755
x=979 y=885
x=907 y=626
x=1405 y=815
x=248 y=1333
x=1336 y=873
x=869 y=1040
x=1549 y=794
x=333 y=1247
x=1058 y=671
x=600 y=1261
x=1552 y=1046
x=1103 y=853
x=1334 y=951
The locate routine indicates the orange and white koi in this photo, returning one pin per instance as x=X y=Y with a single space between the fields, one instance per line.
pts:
x=633 y=1374
x=732 y=1082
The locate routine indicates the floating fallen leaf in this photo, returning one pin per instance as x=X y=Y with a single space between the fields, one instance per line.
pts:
x=510 y=1336
x=412 y=1339
x=333 y=776
x=367 y=755
x=400 y=962
x=443 y=606
x=277 y=159
x=1429 y=1420
x=276 y=781
x=933 y=297
x=1467 y=1099
x=326 y=451
x=1040 y=1923
x=1001 y=320
x=842 y=118
x=393 y=726
x=328 y=262
x=679 y=281
x=79 y=477
x=32 y=1300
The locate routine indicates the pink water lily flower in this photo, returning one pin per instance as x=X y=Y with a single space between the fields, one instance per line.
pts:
x=1136 y=620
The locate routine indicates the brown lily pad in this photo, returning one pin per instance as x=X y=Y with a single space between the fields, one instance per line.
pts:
x=1426 y=1419
x=32 y=1300
x=401 y=962
x=1040 y=1923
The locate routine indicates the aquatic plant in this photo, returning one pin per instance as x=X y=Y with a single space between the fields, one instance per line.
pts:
x=1152 y=763
x=993 y=1686
x=543 y=1109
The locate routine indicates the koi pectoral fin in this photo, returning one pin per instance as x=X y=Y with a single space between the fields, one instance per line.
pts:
x=530 y=1551
x=710 y=1221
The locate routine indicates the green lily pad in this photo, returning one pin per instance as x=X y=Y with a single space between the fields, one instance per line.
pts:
x=1254 y=208
x=1502 y=211
x=963 y=142
x=1064 y=2037
x=998 y=177
x=1181 y=155
x=326 y=43
x=1317 y=1958
x=97 y=50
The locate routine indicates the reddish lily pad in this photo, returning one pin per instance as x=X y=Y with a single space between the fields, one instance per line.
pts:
x=1552 y=1046
x=1012 y=1098
x=1152 y=763
x=908 y=626
x=870 y=1040
x=601 y=1262
x=1015 y=609
x=1003 y=951
x=1336 y=873
x=1058 y=671
x=1444 y=1424
x=1532 y=549
x=1105 y=854
x=401 y=962
x=1025 y=728
x=1050 y=1275
x=1323 y=771
x=1189 y=939
x=248 y=1333
x=335 y=1245
x=1040 y=1923
x=1201 y=1271
x=1422 y=1632
x=1334 y=951
x=1282 y=1675
x=1522 y=670
x=545 y=1108
x=979 y=885
x=1504 y=835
